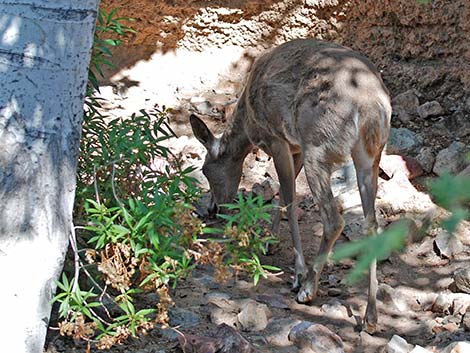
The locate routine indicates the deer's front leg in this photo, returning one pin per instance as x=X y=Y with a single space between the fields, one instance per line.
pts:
x=287 y=170
x=277 y=214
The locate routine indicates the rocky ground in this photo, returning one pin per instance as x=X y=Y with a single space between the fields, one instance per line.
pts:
x=192 y=56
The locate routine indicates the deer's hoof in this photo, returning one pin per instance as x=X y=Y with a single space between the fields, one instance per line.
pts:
x=369 y=327
x=306 y=294
x=370 y=324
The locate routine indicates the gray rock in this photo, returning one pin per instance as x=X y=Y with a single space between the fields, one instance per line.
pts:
x=451 y=159
x=201 y=105
x=459 y=124
x=336 y=310
x=457 y=347
x=395 y=164
x=224 y=339
x=397 y=344
x=220 y=316
x=465 y=172
x=430 y=109
x=403 y=141
x=273 y=300
x=183 y=318
x=315 y=338
x=277 y=331
x=222 y=309
x=447 y=245
x=466 y=321
x=419 y=349
x=267 y=189
x=405 y=105
x=398 y=195
x=462 y=279
x=390 y=296
x=460 y=303
x=442 y=304
x=253 y=316
x=426 y=159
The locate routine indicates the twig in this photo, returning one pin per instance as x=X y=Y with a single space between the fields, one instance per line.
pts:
x=95 y=183
x=76 y=258
x=114 y=188
x=79 y=265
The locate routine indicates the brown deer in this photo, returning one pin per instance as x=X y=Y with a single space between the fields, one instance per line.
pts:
x=313 y=104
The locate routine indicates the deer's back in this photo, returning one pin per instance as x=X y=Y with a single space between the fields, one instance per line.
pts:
x=313 y=91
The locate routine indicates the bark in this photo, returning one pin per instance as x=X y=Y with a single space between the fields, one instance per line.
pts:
x=44 y=54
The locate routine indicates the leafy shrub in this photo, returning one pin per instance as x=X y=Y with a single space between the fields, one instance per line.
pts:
x=137 y=227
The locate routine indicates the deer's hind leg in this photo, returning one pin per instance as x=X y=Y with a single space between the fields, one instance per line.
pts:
x=366 y=161
x=318 y=177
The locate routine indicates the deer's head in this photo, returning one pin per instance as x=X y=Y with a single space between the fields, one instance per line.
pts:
x=221 y=168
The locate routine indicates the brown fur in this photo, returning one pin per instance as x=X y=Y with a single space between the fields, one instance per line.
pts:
x=326 y=102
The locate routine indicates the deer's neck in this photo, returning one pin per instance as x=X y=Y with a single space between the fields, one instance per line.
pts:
x=235 y=136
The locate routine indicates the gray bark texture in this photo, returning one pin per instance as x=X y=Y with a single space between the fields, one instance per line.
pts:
x=45 y=50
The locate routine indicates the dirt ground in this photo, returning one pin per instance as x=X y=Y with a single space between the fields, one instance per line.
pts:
x=416 y=274
x=192 y=56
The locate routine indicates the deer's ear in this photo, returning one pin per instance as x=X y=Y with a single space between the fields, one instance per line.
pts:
x=202 y=132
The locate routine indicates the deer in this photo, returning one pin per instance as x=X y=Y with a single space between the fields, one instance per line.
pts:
x=312 y=104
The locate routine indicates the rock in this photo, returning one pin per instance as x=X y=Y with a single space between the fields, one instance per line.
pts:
x=403 y=141
x=447 y=245
x=222 y=309
x=460 y=303
x=443 y=304
x=399 y=195
x=224 y=339
x=397 y=345
x=451 y=159
x=419 y=349
x=466 y=321
x=267 y=189
x=277 y=331
x=465 y=172
x=366 y=341
x=389 y=295
x=273 y=300
x=335 y=310
x=201 y=105
x=462 y=279
x=457 y=347
x=430 y=109
x=393 y=164
x=222 y=300
x=405 y=105
x=220 y=316
x=459 y=124
x=315 y=338
x=426 y=159
x=183 y=318
x=253 y=316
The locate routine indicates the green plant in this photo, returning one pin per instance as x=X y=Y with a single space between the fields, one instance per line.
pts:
x=109 y=29
x=134 y=201
x=246 y=235
x=450 y=192
x=453 y=194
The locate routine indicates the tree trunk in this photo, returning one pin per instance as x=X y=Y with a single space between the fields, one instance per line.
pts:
x=45 y=50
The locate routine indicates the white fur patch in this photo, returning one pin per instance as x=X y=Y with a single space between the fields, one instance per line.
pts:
x=215 y=148
x=356 y=121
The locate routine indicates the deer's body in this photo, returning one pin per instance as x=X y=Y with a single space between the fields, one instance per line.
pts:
x=313 y=104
